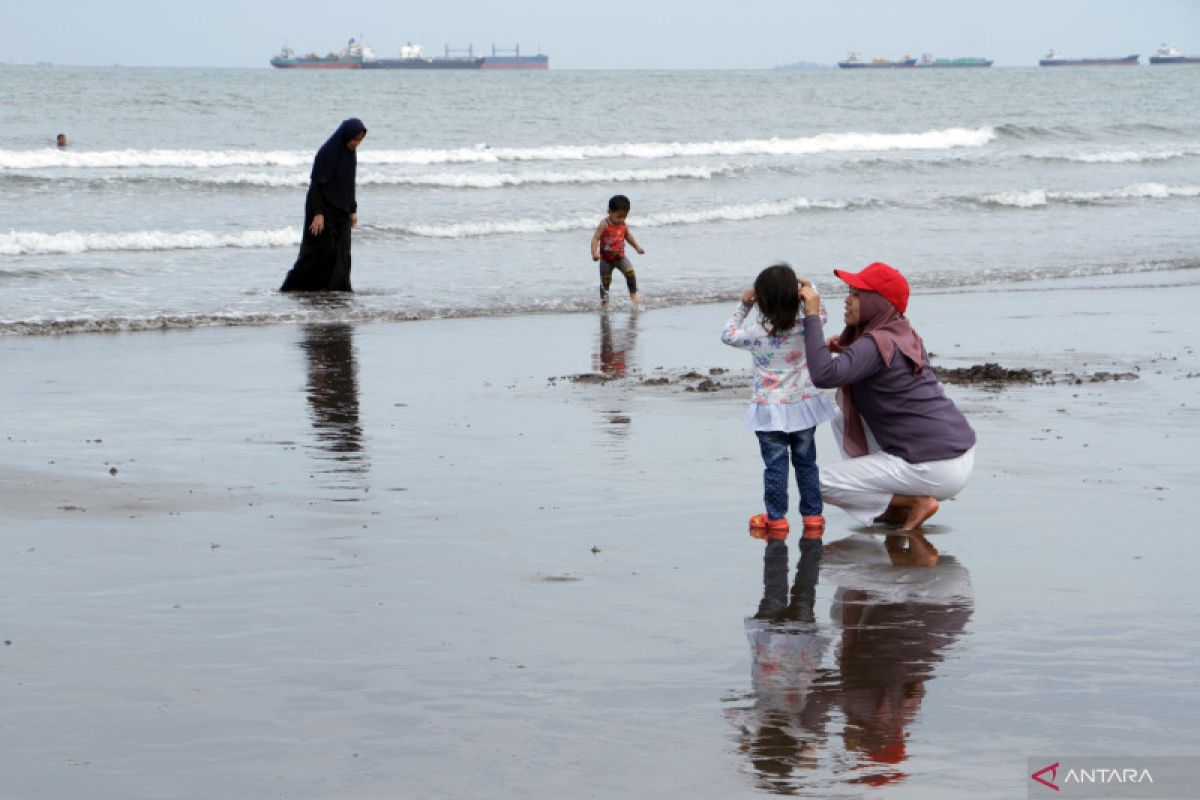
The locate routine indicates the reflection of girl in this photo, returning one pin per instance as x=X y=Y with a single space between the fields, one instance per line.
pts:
x=778 y=735
x=330 y=211
x=923 y=449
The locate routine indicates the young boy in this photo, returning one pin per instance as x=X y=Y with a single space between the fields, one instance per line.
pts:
x=608 y=247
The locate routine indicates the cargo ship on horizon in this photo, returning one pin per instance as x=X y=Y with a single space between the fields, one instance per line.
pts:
x=1169 y=54
x=854 y=61
x=359 y=56
x=929 y=62
x=1053 y=59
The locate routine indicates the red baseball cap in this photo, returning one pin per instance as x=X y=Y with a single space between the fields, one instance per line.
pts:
x=879 y=277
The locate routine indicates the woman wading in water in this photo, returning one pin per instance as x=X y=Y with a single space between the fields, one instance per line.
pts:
x=330 y=211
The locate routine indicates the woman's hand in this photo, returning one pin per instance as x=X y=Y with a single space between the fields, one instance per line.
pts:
x=748 y=297
x=810 y=298
x=354 y=220
x=318 y=225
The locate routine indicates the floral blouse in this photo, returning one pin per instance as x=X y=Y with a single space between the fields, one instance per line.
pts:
x=784 y=397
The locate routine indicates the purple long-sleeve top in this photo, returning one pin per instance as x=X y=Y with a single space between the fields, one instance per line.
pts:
x=909 y=415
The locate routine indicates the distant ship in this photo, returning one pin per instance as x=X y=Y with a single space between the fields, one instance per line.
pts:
x=412 y=57
x=1053 y=59
x=1169 y=54
x=928 y=60
x=358 y=56
x=350 y=57
x=854 y=61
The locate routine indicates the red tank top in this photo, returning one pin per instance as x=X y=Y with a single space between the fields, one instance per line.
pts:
x=612 y=241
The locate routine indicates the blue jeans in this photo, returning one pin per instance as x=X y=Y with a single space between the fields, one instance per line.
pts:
x=775 y=447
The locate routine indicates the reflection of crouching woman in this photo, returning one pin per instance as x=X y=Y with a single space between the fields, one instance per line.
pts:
x=909 y=445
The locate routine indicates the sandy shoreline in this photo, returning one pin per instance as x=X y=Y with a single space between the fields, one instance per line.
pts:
x=415 y=559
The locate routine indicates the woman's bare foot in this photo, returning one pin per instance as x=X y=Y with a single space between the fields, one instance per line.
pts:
x=921 y=509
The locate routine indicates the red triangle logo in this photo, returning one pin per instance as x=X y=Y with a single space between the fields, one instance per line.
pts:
x=1053 y=770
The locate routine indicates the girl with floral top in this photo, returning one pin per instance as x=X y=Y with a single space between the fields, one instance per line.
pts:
x=784 y=412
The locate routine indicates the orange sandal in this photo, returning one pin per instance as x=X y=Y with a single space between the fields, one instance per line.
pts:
x=814 y=526
x=763 y=527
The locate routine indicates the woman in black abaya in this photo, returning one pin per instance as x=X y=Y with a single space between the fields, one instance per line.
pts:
x=330 y=211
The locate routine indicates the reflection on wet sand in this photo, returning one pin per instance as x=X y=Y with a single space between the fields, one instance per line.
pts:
x=332 y=390
x=617 y=353
x=808 y=726
x=615 y=356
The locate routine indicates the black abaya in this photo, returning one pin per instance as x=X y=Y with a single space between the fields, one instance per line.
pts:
x=324 y=261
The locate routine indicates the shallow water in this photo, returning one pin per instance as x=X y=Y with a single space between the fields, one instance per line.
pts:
x=179 y=200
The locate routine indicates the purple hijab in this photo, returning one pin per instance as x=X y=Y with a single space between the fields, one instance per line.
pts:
x=891 y=332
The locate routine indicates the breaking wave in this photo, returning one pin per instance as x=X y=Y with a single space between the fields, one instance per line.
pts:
x=731 y=213
x=943 y=139
x=449 y=180
x=34 y=243
x=110 y=159
x=20 y=243
x=1039 y=198
x=1119 y=156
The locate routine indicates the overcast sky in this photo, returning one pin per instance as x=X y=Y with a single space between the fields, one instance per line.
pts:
x=608 y=34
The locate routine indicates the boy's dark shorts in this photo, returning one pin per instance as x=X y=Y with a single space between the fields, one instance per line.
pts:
x=606 y=271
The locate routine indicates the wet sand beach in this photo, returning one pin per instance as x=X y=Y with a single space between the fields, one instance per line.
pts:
x=419 y=560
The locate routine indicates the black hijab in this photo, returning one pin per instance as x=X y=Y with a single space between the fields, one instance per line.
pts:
x=335 y=165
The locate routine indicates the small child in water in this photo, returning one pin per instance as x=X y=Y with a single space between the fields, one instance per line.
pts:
x=784 y=412
x=608 y=247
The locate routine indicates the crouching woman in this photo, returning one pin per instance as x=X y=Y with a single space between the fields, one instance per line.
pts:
x=907 y=445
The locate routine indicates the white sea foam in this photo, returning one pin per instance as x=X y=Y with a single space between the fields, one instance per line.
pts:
x=731 y=213
x=37 y=243
x=496 y=180
x=943 y=139
x=1037 y=198
x=33 y=243
x=737 y=213
x=822 y=143
x=1149 y=191
x=1128 y=156
x=108 y=159
x=462 y=180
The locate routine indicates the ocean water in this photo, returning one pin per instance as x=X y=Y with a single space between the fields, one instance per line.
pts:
x=180 y=198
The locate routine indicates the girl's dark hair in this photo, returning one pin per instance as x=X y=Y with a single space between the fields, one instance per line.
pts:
x=776 y=293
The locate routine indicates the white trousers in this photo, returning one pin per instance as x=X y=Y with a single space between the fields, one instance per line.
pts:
x=863 y=487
